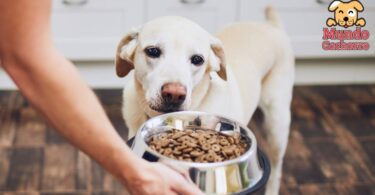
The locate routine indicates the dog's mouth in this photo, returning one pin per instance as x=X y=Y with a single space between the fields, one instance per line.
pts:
x=346 y=24
x=166 y=108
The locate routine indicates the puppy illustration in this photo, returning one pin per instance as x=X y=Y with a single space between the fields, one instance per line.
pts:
x=346 y=14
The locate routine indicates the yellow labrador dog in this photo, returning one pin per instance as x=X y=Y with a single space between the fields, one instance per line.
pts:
x=179 y=66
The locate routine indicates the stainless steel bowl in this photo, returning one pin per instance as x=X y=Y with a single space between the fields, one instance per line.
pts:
x=241 y=175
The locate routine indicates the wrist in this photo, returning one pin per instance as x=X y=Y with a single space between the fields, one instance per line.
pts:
x=130 y=167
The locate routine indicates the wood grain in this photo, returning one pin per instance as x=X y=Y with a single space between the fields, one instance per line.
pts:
x=59 y=172
x=331 y=148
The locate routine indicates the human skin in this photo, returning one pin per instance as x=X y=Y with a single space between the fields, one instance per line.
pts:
x=53 y=86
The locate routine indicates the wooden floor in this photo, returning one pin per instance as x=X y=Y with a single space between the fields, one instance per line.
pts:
x=331 y=148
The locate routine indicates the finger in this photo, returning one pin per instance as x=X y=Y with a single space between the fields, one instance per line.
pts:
x=182 y=186
x=180 y=170
x=172 y=193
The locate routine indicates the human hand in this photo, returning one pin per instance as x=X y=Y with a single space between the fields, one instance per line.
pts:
x=159 y=179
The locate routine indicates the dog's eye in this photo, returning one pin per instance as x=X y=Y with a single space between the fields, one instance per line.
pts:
x=153 y=52
x=197 y=60
x=341 y=12
x=351 y=12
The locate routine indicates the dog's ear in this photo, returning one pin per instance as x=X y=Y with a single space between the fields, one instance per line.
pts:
x=217 y=58
x=357 y=5
x=334 y=5
x=125 y=53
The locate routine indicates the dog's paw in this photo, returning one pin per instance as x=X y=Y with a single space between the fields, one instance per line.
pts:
x=361 y=22
x=331 y=22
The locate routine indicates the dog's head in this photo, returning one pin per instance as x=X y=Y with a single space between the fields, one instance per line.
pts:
x=346 y=13
x=170 y=56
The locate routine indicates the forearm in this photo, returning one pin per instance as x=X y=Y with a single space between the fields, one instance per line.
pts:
x=54 y=87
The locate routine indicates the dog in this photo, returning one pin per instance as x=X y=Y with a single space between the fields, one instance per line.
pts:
x=346 y=14
x=173 y=64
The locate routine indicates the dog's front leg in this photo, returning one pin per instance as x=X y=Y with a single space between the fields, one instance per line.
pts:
x=361 y=22
x=277 y=122
x=275 y=101
x=132 y=112
x=331 y=22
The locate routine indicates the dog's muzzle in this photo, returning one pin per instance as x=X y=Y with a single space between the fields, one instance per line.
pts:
x=173 y=96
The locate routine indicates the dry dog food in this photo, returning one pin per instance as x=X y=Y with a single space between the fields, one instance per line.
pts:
x=198 y=145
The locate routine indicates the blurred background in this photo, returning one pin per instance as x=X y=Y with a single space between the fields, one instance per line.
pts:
x=332 y=141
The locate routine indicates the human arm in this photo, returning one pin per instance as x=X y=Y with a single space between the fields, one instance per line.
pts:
x=53 y=86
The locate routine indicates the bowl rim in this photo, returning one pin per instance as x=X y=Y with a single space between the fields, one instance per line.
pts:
x=243 y=158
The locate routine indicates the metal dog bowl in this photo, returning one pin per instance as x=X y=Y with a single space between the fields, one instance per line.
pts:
x=242 y=175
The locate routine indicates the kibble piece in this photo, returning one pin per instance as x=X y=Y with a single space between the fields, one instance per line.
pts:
x=191 y=144
x=206 y=135
x=181 y=147
x=196 y=153
x=184 y=138
x=237 y=152
x=218 y=159
x=195 y=135
x=212 y=141
x=201 y=158
x=231 y=140
x=187 y=150
x=206 y=146
x=164 y=143
x=168 y=151
x=216 y=147
x=210 y=157
x=177 y=135
x=177 y=152
x=163 y=136
x=224 y=142
x=228 y=151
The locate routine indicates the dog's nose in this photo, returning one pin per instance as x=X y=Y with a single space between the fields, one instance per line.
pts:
x=173 y=93
x=346 y=19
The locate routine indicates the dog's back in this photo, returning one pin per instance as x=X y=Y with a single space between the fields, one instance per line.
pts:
x=252 y=50
x=255 y=44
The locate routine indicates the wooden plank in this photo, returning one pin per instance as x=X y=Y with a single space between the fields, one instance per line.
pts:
x=30 y=133
x=4 y=166
x=10 y=105
x=25 y=169
x=83 y=175
x=21 y=193
x=7 y=131
x=97 y=177
x=313 y=189
x=52 y=137
x=360 y=94
x=59 y=168
x=31 y=129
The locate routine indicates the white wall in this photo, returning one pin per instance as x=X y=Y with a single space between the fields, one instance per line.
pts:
x=308 y=72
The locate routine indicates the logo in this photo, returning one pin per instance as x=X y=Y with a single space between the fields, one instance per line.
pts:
x=345 y=30
x=346 y=14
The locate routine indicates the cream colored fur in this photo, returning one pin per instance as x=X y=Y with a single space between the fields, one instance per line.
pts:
x=259 y=68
